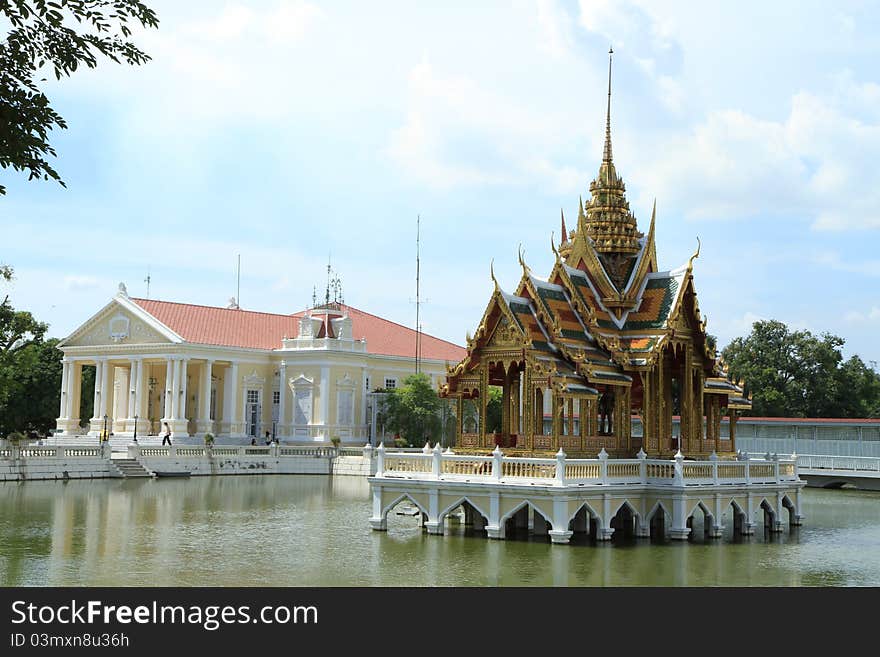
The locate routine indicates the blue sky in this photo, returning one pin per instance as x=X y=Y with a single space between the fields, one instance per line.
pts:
x=288 y=132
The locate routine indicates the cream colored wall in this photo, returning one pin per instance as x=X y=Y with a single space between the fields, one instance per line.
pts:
x=98 y=331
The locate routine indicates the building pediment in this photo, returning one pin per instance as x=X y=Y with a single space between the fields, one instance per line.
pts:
x=120 y=322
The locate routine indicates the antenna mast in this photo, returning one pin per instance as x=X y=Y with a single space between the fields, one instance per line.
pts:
x=147 y=281
x=418 y=302
x=238 y=283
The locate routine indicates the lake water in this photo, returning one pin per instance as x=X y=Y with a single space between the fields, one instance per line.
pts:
x=266 y=530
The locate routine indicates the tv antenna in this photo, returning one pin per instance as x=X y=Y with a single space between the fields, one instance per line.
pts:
x=147 y=281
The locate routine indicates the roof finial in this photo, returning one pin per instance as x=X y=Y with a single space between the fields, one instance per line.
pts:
x=606 y=157
x=564 y=232
x=492 y=275
x=553 y=246
x=522 y=262
x=696 y=255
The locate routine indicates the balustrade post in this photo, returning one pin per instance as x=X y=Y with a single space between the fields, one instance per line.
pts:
x=603 y=466
x=560 y=467
x=678 y=477
x=714 y=458
x=643 y=466
x=172 y=450
x=134 y=451
x=380 y=460
x=497 y=456
x=748 y=470
x=59 y=451
x=435 y=461
x=776 y=467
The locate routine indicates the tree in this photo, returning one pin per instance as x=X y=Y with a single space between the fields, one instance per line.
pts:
x=30 y=388
x=797 y=374
x=412 y=410
x=62 y=35
x=493 y=409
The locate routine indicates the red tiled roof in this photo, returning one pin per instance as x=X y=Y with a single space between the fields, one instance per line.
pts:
x=255 y=330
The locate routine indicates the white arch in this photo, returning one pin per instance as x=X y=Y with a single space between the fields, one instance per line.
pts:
x=398 y=500
x=657 y=505
x=706 y=512
x=590 y=510
x=627 y=503
x=464 y=498
x=518 y=507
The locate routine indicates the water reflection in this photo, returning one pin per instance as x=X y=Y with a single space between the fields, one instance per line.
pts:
x=313 y=530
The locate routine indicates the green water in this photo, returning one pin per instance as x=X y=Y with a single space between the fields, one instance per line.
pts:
x=312 y=531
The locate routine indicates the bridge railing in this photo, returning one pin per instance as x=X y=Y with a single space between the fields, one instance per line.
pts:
x=839 y=463
x=559 y=471
x=230 y=451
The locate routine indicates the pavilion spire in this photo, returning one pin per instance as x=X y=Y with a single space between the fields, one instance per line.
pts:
x=606 y=155
x=564 y=231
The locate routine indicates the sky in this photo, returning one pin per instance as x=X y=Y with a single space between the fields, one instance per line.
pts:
x=292 y=133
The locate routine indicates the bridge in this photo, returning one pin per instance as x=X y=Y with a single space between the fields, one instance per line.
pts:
x=824 y=471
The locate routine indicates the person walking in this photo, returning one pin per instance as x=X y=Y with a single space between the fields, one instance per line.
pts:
x=167 y=436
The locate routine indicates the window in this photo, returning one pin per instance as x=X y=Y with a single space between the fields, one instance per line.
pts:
x=390 y=384
x=367 y=384
x=276 y=397
x=253 y=396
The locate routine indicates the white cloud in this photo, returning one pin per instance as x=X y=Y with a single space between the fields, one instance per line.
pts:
x=73 y=283
x=855 y=316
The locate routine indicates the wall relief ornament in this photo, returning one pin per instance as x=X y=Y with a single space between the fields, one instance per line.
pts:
x=119 y=328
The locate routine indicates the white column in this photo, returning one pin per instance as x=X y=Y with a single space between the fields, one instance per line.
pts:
x=325 y=396
x=169 y=381
x=71 y=391
x=205 y=395
x=139 y=389
x=132 y=383
x=99 y=378
x=175 y=387
x=106 y=368
x=183 y=377
x=282 y=396
x=65 y=391
x=231 y=404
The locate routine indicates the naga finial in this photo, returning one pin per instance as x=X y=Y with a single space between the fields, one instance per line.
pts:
x=553 y=246
x=522 y=262
x=492 y=273
x=695 y=256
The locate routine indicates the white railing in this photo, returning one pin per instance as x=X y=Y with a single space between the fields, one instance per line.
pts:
x=560 y=471
x=229 y=451
x=839 y=463
x=29 y=451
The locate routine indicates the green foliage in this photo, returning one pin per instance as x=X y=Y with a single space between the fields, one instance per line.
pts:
x=30 y=370
x=412 y=410
x=30 y=388
x=797 y=374
x=209 y=439
x=493 y=409
x=16 y=437
x=63 y=35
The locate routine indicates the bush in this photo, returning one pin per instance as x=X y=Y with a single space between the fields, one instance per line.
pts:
x=209 y=439
x=401 y=442
x=16 y=437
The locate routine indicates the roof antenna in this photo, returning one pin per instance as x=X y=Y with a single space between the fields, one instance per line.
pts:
x=238 y=284
x=327 y=293
x=147 y=281
x=418 y=330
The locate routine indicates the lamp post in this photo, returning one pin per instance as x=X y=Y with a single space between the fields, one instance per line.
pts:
x=135 y=436
x=104 y=434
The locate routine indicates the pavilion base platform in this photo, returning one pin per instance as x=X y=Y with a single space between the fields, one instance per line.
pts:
x=561 y=497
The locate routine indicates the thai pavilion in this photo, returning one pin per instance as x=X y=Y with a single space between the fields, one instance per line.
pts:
x=605 y=337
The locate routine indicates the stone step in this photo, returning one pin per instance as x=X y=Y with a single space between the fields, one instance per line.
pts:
x=131 y=468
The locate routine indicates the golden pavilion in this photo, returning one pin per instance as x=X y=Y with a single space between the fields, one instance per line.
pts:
x=605 y=342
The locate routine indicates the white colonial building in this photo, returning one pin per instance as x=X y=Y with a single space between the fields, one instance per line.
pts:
x=236 y=373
